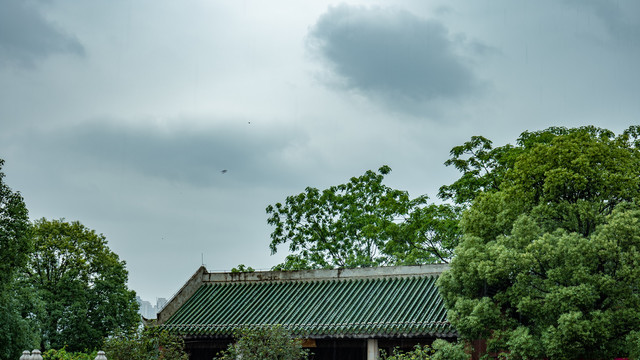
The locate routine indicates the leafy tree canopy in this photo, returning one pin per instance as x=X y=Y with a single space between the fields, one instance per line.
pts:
x=483 y=167
x=571 y=181
x=14 y=226
x=16 y=330
x=361 y=223
x=82 y=284
x=547 y=267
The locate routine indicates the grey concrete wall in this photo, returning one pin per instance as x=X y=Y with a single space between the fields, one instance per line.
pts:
x=185 y=292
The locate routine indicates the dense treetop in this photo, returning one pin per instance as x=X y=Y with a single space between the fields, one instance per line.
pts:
x=16 y=332
x=60 y=284
x=14 y=225
x=83 y=285
x=547 y=265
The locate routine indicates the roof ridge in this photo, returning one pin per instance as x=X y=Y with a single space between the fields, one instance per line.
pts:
x=326 y=274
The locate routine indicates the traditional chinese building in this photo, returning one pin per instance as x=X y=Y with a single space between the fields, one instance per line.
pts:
x=338 y=314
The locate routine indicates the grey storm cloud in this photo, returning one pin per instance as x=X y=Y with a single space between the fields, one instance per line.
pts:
x=621 y=19
x=26 y=36
x=196 y=157
x=391 y=54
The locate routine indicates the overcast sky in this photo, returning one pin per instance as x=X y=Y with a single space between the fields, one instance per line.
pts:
x=122 y=114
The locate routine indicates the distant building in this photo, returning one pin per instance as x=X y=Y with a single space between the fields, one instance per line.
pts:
x=160 y=303
x=149 y=311
x=339 y=314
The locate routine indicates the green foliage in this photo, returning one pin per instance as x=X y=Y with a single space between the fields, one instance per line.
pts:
x=428 y=235
x=482 y=169
x=560 y=295
x=418 y=353
x=15 y=244
x=633 y=344
x=444 y=350
x=361 y=223
x=82 y=285
x=439 y=350
x=242 y=268
x=485 y=169
x=18 y=329
x=62 y=354
x=576 y=180
x=548 y=265
x=265 y=343
x=16 y=323
x=150 y=343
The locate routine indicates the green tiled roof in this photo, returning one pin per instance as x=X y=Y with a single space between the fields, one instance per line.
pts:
x=354 y=307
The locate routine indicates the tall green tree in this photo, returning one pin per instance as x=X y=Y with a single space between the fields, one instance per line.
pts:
x=82 y=284
x=14 y=238
x=16 y=329
x=547 y=266
x=361 y=223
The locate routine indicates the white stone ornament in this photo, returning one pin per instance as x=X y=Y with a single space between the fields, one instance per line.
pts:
x=36 y=355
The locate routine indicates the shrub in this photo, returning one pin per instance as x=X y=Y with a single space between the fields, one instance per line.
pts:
x=150 y=343
x=264 y=343
x=444 y=350
x=62 y=354
x=440 y=350
x=418 y=353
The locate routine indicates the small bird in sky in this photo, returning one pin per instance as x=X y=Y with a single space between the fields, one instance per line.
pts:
x=224 y=171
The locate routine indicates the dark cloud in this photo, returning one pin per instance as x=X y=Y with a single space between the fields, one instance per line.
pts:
x=26 y=36
x=195 y=157
x=620 y=18
x=391 y=55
